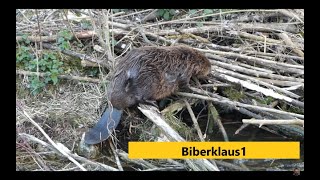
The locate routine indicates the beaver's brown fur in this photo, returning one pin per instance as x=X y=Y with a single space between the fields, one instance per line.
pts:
x=152 y=73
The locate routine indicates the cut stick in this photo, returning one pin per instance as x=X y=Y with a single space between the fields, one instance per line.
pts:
x=234 y=103
x=267 y=92
x=262 y=122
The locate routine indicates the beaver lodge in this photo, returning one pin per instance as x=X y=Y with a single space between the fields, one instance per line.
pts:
x=64 y=64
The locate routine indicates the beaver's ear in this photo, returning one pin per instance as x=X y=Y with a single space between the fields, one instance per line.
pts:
x=128 y=84
x=170 y=77
x=132 y=74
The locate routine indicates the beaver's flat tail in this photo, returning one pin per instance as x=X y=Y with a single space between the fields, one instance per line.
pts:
x=102 y=130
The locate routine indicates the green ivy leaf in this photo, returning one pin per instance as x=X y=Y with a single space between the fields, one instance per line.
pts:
x=54 y=79
x=199 y=24
x=166 y=15
x=192 y=12
x=172 y=12
x=115 y=10
x=208 y=11
x=60 y=40
x=161 y=12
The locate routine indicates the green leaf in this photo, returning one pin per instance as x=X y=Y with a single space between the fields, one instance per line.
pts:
x=24 y=37
x=208 y=11
x=47 y=79
x=161 y=12
x=115 y=10
x=172 y=12
x=113 y=42
x=61 y=40
x=54 y=79
x=166 y=15
x=199 y=24
x=79 y=45
x=192 y=12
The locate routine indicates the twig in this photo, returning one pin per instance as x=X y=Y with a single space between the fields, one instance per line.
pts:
x=268 y=63
x=80 y=35
x=210 y=15
x=32 y=138
x=262 y=122
x=115 y=155
x=77 y=78
x=75 y=54
x=231 y=106
x=267 y=92
x=275 y=55
x=141 y=162
x=281 y=83
x=290 y=14
x=231 y=166
x=141 y=31
x=50 y=140
x=267 y=27
x=195 y=30
x=154 y=115
x=105 y=29
x=233 y=103
x=254 y=37
x=244 y=77
x=39 y=28
x=195 y=121
x=155 y=36
x=150 y=16
x=288 y=41
x=293 y=87
x=71 y=29
x=217 y=119
x=131 y=14
x=227 y=48
x=252 y=72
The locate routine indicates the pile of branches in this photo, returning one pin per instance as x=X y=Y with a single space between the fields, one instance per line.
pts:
x=259 y=52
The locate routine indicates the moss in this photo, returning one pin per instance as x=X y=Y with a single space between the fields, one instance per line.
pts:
x=267 y=100
x=233 y=94
x=292 y=109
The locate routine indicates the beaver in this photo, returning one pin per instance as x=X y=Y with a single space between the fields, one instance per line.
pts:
x=144 y=75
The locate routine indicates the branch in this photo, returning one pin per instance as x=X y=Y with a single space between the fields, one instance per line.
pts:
x=69 y=77
x=75 y=54
x=262 y=122
x=288 y=42
x=272 y=64
x=154 y=115
x=233 y=103
x=252 y=72
x=195 y=121
x=267 y=92
x=244 y=77
x=79 y=35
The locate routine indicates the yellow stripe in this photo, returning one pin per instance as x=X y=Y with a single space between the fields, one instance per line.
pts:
x=214 y=150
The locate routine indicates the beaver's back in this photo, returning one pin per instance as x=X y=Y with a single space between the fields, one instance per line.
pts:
x=152 y=73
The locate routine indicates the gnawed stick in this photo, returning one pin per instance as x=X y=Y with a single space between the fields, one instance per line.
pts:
x=154 y=115
x=262 y=122
x=267 y=92
x=195 y=121
x=233 y=103
x=255 y=80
